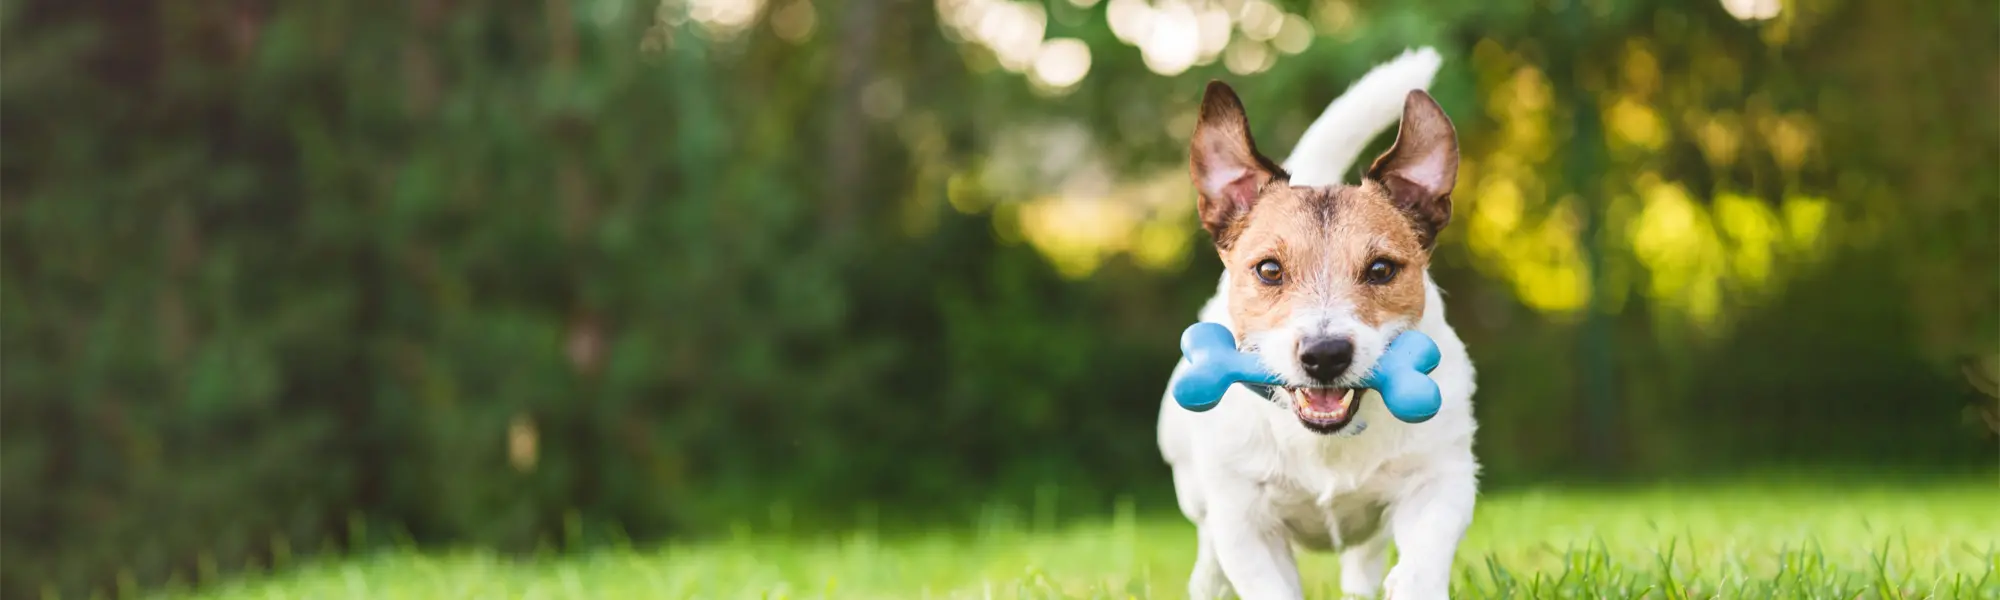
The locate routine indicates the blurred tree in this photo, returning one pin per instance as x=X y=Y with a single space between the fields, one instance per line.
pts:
x=280 y=274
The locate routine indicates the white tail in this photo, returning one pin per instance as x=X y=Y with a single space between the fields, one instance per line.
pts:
x=1327 y=151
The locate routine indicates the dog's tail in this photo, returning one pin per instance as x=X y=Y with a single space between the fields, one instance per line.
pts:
x=1328 y=149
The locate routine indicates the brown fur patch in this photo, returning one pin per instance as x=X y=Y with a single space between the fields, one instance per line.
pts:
x=1228 y=171
x=1324 y=239
x=1419 y=171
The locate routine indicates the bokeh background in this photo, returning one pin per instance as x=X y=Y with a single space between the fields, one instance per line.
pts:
x=283 y=276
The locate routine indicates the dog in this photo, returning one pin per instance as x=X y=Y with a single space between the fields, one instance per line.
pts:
x=1318 y=277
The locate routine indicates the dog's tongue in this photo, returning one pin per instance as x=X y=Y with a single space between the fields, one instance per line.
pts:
x=1323 y=399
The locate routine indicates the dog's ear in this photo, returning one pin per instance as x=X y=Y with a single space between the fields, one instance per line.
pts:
x=1421 y=168
x=1225 y=163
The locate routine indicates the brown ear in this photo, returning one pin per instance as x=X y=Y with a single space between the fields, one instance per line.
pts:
x=1226 y=166
x=1421 y=168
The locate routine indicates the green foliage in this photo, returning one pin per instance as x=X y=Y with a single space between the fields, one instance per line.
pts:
x=284 y=276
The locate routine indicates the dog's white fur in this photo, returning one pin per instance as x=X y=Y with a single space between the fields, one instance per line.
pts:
x=1255 y=481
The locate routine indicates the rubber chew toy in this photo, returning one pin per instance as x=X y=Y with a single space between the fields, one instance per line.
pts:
x=1214 y=365
x=1401 y=376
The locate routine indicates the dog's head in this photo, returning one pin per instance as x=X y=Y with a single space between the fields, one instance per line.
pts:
x=1322 y=278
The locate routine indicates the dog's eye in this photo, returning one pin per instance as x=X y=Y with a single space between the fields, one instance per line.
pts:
x=1380 y=272
x=1270 y=272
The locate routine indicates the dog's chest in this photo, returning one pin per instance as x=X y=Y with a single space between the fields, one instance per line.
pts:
x=1321 y=467
x=1336 y=490
x=1324 y=507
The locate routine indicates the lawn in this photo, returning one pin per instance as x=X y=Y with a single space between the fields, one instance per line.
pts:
x=1739 y=540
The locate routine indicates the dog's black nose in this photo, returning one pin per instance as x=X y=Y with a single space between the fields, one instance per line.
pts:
x=1325 y=359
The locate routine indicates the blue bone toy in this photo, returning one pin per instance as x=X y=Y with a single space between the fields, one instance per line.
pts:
x=1401 y=376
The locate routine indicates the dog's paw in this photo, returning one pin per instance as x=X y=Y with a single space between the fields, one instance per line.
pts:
x=1410 y=584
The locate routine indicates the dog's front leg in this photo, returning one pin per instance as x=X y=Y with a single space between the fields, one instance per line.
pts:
x=1428 y=521
x=1250 y=544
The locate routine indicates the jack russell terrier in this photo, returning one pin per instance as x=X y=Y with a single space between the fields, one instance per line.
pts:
x=1319 y=276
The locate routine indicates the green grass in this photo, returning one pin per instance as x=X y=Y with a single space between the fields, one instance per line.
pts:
x=1769 y=540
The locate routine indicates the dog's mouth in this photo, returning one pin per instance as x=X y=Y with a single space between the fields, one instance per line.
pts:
x=1323 y=409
